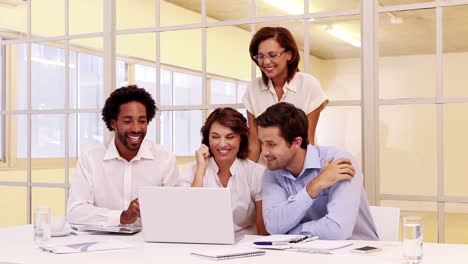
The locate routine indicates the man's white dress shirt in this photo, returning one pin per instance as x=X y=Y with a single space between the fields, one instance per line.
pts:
x=105 y=183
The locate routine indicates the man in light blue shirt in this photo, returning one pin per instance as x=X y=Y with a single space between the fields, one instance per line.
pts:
x=309 y=189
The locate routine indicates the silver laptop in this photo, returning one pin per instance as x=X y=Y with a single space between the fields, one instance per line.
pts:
x=186 y=215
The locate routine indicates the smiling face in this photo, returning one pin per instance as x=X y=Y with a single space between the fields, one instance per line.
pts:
x=224 y=143
x=130 y=128
x=277 y=151
x=274 y=68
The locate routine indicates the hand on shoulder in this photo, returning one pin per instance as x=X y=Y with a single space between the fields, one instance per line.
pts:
x=332 y=172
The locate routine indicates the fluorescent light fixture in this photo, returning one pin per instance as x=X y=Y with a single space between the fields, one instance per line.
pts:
x=290 y=6
x=12 y=2
x=51 y=62
x=344 y=34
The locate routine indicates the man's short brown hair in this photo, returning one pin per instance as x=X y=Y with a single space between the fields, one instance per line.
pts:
x=291 y=121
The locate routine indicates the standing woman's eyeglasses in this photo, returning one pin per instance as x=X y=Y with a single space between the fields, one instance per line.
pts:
x=272 y=55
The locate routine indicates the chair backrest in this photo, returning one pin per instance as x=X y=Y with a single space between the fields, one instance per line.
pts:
x=387 y=222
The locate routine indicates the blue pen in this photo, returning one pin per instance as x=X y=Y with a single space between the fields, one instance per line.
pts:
x=271 y=243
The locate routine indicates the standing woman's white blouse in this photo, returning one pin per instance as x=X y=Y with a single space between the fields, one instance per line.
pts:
x=303 y=91
x=246 y=188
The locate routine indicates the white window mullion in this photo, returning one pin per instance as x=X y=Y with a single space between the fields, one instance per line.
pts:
x=253 y=11
x=109 y=51
x=204 y=59
x=28 y=126
x=369 y=109
x=440 y=126
x=158 y=73
x=306 y=46
x=67 y=101
x=306 y=38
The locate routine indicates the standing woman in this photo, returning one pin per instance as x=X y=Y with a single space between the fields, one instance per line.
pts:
x=275 y=52
x=221 y=162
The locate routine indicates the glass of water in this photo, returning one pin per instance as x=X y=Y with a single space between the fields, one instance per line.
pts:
x=42 y=224
x=412 y=239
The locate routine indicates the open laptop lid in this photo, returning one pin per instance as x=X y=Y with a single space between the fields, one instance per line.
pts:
x=187 y=215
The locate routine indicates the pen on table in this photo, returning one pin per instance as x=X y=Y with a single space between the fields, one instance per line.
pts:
x=304 y=239
x=271 y=243
x=286 y=242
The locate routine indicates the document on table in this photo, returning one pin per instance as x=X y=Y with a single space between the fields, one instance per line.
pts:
x=86 y=247
x=280 y=242
x=325 y=245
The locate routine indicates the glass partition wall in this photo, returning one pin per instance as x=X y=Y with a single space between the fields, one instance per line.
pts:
x=400 y=113
x=420 y=105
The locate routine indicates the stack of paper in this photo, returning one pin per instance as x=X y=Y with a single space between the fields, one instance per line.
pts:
x=325 y=245
x=281 y=242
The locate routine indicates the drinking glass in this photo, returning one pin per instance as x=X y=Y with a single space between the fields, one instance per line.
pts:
x=42 y=224
x=412 y=240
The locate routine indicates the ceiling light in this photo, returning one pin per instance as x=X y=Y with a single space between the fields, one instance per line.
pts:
x=12 y=2
x=51 y=62
x=344 y=35
x=290 y=6
x=395 y=19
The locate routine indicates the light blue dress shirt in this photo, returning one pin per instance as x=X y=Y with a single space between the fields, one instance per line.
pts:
x=337 y=213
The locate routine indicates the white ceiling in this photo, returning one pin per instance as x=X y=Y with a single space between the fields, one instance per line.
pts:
x=415 y=35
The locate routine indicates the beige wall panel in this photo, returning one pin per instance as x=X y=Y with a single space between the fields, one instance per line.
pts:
x=408 y=149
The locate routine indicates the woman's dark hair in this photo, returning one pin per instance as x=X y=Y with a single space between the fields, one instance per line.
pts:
x=228 y=117
x=124 y=95
x=285 y=39
x=291 y=121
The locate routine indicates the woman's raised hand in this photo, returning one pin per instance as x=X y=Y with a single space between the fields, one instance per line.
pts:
x=202 y=155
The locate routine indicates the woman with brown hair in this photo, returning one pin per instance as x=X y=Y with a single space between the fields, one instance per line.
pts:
x=275 y=52
x=221 y=162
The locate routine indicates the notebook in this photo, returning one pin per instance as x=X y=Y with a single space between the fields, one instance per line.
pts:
x=187 y=215
x=228 y=253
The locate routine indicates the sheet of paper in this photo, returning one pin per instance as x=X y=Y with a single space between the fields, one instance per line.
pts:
x=322 y=245
x=278 y=238
x=86 y=247
x=315 y=245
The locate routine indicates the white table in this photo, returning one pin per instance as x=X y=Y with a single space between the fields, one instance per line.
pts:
x=16 y=247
